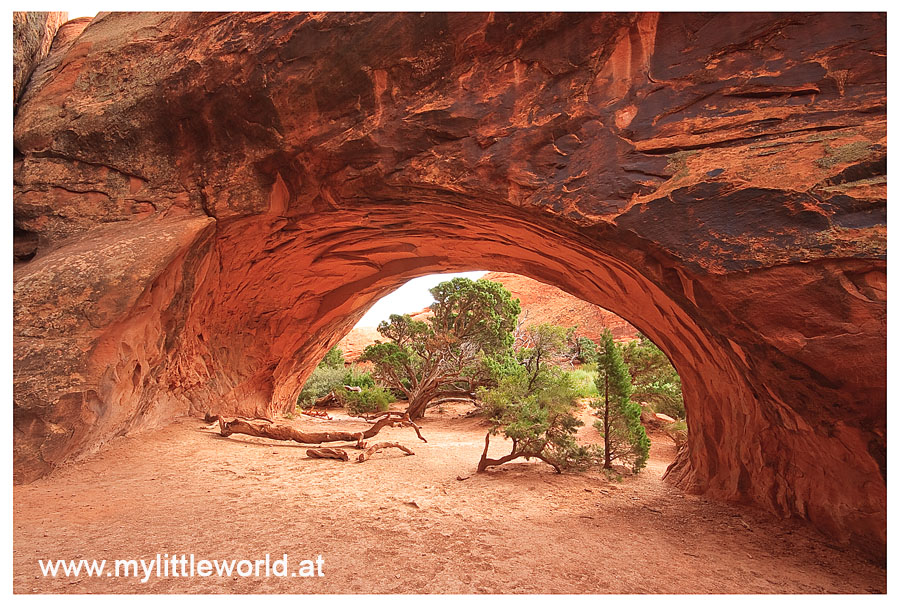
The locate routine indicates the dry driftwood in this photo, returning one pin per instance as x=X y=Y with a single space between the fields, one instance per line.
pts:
x=368 y=452
x=286 y=432
x=329 y=400
x=328 y=453
x=319 y=414
x=332 y=399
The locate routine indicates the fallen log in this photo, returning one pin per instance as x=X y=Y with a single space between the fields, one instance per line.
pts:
x=332 y=399
x=368 y=452
x=329 y=400
x=274 y=431
x=328 y=453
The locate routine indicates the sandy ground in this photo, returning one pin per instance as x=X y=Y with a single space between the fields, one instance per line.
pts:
x=406 y=524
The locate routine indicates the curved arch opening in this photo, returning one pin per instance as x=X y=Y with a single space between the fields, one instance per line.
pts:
x=278 y=286
x=555 y=340
x=352 y=257
x=172 y=259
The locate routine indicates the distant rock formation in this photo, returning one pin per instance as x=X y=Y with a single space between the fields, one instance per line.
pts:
x=541 y=304
x=545 y=304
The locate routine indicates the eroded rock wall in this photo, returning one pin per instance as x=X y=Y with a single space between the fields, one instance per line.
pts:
x=213 y=200
x=33 y=34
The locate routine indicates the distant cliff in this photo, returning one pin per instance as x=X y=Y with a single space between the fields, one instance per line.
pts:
x=541 y=304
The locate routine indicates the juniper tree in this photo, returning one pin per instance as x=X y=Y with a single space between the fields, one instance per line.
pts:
x=538 y=417
x=534 y=404
x=620 y=418
x=585 y=350
x=540 y=344
x=443 y=357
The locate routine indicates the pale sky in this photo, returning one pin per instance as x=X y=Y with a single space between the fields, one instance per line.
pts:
x=411 y=297
x=80 y=10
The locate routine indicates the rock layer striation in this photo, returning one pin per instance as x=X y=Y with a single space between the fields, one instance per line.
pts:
x=205 y=203
x=33 y=34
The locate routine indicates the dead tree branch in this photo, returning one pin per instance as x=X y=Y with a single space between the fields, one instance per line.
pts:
x=368 y=452
x=328 y=453
x=287 y=433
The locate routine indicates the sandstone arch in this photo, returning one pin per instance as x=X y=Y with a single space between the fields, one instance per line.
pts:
x=204 y=203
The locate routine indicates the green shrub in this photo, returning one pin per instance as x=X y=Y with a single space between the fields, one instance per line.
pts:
x=538 y=419
x=322 y=380
x=666 y=398
x=369 y=400
x=653 y=377
x=586 y=350
x=583 y=382
x=333 y=359
x=325 y=379
x=359 y=378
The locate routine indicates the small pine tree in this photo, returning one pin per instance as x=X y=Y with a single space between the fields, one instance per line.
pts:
x=620 y=419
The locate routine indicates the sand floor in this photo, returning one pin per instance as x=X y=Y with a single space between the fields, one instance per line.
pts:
x=406 y=524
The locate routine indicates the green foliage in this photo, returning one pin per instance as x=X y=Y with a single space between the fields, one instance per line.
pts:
x=534 y=402
x=586 y=350
x=482 y=314
x=538 y=417
x=624 y=438
x=333 y=359
x=322 y=380
x=369 y=400
x=583 y=381
x=359 y=378
x=498 y=365
x=325 y=379
x=654 y=378
x=447 y=354
x=541 y=344
x=613 y=379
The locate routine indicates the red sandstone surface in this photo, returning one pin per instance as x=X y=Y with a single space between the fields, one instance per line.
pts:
x=541 y=304
x=355 y=341
x=545 y=304
x=204 y=203
x=33 y=33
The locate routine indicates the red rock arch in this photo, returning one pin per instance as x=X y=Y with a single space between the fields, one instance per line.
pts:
x=211 y=201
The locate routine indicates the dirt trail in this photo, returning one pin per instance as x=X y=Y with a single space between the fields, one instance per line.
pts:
x=406 y=524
